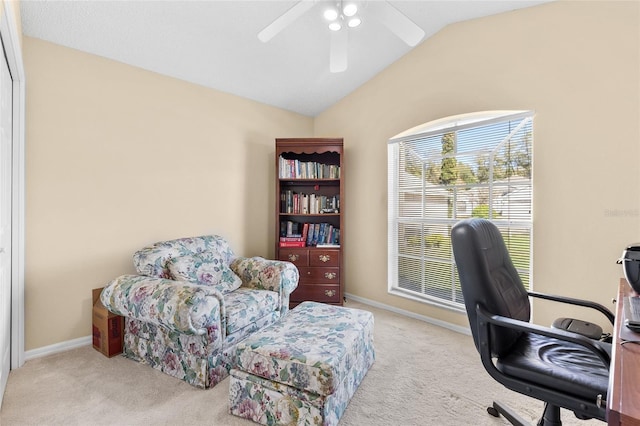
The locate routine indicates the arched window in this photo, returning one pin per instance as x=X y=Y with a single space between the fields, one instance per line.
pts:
x=470 y=165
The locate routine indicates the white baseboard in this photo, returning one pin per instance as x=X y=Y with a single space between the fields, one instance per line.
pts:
x=87 y=340
x=58 y=347
x=444 y=324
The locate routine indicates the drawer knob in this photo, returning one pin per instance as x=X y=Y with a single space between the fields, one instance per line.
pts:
x=330 y=275
x=324 y=258
x=329 y=293
x=293 y=257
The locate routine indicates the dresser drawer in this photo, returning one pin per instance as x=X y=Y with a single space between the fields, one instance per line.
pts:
x=324 y=258
x=324 y=293
x=319 y=275
x=299 y=257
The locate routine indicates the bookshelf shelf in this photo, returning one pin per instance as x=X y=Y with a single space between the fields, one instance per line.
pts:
x=310 y=215
x=304 y=181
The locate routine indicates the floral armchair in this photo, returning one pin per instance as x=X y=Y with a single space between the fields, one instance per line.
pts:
x=193 y=301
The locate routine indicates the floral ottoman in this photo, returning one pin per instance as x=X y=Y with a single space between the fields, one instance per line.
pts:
x=304 y=369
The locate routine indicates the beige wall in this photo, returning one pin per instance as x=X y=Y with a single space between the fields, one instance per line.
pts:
x=577 y=65
x=118 y=157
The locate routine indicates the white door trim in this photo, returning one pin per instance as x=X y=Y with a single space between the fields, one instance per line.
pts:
x=13 y=50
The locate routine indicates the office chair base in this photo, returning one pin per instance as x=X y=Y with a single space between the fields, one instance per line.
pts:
x=551 y=416
x=498 y=408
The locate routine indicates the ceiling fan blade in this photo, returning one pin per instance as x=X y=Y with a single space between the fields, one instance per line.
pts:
x=397 y=22
x=338 y=50
x=284 y=20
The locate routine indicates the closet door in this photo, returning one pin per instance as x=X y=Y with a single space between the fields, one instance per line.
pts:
x=6 y=162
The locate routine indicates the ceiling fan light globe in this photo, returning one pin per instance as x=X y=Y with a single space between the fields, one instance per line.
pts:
x=335 y=26
x=350 y=9
x=354 y=22
x=331 y=14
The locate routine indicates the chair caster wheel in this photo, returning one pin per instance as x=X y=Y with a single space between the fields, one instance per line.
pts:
x=493 y=411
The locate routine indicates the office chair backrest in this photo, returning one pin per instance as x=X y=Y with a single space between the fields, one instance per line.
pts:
x=488 y=278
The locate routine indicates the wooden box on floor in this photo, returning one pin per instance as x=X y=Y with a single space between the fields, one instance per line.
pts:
x=108 y=328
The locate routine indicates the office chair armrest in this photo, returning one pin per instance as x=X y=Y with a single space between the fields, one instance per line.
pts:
x=578 y=302
x=528 y=327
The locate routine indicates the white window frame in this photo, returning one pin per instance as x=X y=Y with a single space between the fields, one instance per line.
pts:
x=452 y=124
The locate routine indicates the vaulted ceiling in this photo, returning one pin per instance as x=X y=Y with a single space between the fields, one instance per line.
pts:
x=215 y=44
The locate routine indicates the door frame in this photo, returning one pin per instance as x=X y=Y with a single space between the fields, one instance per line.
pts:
x=11 y=38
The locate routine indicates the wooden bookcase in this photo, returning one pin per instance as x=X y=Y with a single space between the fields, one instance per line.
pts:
x=310 y=197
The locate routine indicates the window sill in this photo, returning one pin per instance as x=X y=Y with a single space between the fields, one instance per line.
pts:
x=428 y=300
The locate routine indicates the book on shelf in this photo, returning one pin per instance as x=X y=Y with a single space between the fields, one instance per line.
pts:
x=296 y=169
x=291 y=238
x=311 y=234
x=328 y=246
x=292 y=243
x=316 y=234
x=289 y=228
x=301 y=203
x=312 y=227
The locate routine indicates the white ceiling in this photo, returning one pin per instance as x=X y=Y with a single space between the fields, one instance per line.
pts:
x=215 y=44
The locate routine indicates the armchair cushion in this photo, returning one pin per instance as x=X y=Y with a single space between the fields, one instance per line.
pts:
x=152 y=260
x=205 y=270
x=176 y=305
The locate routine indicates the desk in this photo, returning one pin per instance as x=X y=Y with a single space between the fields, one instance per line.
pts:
x=623 y=399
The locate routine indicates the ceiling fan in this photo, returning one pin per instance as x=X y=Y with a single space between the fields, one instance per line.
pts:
x=341 y=15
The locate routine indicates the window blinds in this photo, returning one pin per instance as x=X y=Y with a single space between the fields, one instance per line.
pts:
x=476 y=165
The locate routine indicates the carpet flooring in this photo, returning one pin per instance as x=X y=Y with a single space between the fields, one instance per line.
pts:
x=423 y=375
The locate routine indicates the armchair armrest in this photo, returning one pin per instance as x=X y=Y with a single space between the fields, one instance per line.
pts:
x=177 y=305
x=263 y=274
x=578 y=302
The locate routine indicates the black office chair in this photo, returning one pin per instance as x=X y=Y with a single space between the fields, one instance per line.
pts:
x=560 y=368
